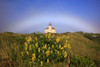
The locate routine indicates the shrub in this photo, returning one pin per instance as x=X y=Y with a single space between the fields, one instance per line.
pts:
x=81 y=61
x=45 y=49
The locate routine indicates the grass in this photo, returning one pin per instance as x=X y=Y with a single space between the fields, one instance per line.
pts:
x=82 y=44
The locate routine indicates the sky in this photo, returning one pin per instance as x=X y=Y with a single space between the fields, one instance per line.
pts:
x=27 y=16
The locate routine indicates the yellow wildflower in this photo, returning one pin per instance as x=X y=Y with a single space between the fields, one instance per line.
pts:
x=33 y=54
x=55 y=50
x=43 y=51
x=45 y=46
x=30 y=48
x=66 y=41
x=27 y=52
x=52 y=46
x=29 y=39
x=63 y=51
x=41 y=63
x=46 y=35
x=33 y=45
x=25 y=48
x=58 y=52
x=36 y=44
x=41 y=36
x=47 y=60
x=69 y=46
x=62 y=48
x=51 y=52
x=39 y=50
x=59 y=46
x=33 y=57
x=65 y=54
x=56 y=45
x=65 y=46
x=36 y=38
x=22 y=53
x=48 y=53
x=49 y=48
x=57 y=40
x=49 y=34
x=26 y=44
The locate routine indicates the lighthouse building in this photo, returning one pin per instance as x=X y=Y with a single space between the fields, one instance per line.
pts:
x=50 y=29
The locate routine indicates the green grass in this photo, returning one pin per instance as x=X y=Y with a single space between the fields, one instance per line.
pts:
x=82 y=44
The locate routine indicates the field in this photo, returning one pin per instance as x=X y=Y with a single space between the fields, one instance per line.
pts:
x=84 y=52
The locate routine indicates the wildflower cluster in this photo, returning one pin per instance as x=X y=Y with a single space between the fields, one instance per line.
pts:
x=45 y=49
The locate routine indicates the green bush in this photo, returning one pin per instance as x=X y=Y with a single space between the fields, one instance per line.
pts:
x=80 y=61
x=45 y=49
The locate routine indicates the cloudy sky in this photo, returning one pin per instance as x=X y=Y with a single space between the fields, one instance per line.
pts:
x=27 y=16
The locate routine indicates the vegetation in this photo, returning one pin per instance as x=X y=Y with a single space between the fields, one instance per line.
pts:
x=79 y=61
x=44 y=49
x=84 y=52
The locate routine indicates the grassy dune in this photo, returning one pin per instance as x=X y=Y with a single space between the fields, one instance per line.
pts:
x=82 y=44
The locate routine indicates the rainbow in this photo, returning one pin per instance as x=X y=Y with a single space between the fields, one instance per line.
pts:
x=42 y=20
